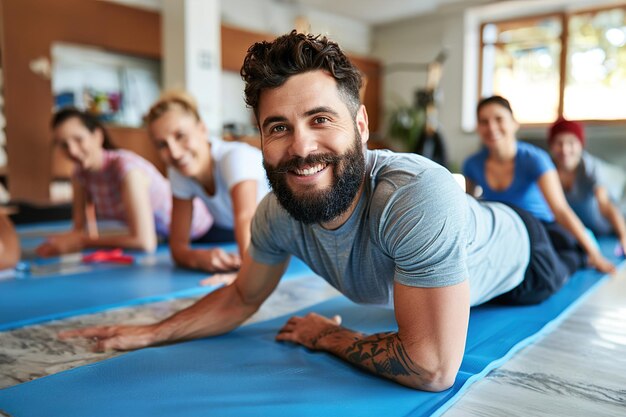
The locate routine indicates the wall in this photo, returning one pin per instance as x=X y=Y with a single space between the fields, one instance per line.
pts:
x=278 y=17
x=420 y=39
x=28 y=29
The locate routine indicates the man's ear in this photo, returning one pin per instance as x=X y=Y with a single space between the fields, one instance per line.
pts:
x=362 y=124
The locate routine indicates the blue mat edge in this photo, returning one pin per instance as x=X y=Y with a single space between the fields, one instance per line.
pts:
x=547 y=328
x=47 y=228
x=138 y=301
x=72 y=313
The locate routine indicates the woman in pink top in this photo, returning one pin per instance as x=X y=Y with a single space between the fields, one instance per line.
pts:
x=115 y=184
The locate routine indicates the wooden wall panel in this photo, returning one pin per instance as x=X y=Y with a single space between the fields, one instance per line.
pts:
x=235 y=44
x=29 y=28
x=371 y=69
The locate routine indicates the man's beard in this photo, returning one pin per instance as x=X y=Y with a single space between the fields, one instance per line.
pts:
x=318 y=206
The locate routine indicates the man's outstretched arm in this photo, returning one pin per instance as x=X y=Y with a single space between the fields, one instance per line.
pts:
x=218 y=312
x=426 y=351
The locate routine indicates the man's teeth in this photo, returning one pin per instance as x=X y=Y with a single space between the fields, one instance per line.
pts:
x=310 y=171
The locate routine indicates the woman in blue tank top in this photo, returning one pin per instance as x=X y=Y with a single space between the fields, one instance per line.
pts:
x=523 y=175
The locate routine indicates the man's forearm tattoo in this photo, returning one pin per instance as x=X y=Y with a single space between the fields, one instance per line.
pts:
x=385 y=354
x=325 y=333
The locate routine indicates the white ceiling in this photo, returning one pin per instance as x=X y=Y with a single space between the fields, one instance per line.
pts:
x=379 y=12
x=376 y=12
x=372 y=12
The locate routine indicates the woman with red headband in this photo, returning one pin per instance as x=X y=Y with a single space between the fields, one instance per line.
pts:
x=592 y=187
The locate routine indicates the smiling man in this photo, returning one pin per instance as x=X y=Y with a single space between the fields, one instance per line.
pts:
x=383 y=228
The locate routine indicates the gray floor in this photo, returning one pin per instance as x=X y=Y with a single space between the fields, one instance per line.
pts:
x=579 y=369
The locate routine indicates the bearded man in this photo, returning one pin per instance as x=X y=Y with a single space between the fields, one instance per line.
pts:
x=383 y=228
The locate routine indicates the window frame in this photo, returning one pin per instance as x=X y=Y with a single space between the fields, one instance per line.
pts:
x=564 y=17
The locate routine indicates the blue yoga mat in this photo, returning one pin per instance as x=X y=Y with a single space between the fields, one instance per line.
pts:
x=247 y=373
x=85 y=289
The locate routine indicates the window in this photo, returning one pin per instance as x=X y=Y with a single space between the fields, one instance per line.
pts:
x=571 y=65
x=596 y=72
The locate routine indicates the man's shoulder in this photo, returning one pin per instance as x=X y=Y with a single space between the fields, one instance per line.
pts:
x=398 y=168
x=406 y=178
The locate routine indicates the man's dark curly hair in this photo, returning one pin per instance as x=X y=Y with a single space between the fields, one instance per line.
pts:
x=270 y=64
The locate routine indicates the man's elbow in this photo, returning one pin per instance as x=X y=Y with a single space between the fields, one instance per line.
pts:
x=437 y=379
x=440 y=382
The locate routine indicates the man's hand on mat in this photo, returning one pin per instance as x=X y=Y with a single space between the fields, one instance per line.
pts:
x=217 y=279
x=115 y=337
x=308 y=330
x=217 y=260
x=600 y=263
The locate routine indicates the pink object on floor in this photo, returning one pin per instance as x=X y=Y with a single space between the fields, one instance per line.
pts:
x=112 y=256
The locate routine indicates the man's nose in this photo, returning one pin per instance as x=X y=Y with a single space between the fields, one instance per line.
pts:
x=304 y=142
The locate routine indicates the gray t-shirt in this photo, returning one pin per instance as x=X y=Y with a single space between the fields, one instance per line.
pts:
x=591 y=173
x=413 y=224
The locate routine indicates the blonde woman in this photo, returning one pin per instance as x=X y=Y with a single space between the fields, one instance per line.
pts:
x=227 y=176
